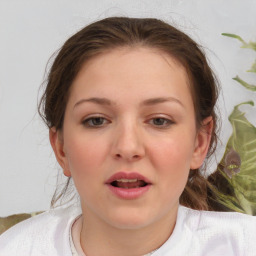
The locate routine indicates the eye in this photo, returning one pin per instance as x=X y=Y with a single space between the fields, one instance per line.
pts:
x=161 y=122
x=95 y=122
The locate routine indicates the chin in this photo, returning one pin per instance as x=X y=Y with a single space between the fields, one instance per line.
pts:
x=130 y=219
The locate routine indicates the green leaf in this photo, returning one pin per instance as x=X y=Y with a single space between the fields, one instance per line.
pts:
x=250 y=45
x=250 y=87
x=238 y=191
x=234 y=36
x=253 y=67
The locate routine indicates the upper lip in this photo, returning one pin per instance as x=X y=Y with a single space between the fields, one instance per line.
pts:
x=128 y=176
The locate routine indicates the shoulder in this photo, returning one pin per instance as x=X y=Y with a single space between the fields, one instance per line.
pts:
x=45 y=234
x=229 y=231
x=200 y=233
x=214 y=220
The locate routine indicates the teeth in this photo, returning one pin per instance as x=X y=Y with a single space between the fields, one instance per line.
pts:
x=127 y=180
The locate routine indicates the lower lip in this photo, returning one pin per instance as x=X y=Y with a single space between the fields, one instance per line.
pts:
x=129 y=193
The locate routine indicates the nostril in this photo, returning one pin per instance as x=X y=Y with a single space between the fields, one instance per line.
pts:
x=131 y=157
x=134 y=157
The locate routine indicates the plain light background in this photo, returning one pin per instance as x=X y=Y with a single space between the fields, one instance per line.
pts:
x=32 y=30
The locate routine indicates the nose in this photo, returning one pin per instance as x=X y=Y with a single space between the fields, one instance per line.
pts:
x=128 y=143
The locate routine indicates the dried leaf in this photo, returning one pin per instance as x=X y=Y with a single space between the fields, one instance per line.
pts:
x=9 y=221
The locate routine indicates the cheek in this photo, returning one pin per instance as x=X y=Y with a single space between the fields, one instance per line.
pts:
x=172 y=152
x=171 y=158
x=172 y=165
x=85 y=155
x=85 y=158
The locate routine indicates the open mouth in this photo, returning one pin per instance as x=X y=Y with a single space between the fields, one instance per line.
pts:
x=128 y=183
x=128 y=186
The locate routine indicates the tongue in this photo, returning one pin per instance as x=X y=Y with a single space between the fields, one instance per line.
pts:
x=136 y=184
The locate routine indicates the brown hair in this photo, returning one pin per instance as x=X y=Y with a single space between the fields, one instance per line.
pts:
x=114 y=32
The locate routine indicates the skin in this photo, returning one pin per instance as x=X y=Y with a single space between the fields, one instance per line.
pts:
x=133 y=131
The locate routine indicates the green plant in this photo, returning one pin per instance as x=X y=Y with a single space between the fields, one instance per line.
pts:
x=252 y=46
x=234 y=181
x=233 y=184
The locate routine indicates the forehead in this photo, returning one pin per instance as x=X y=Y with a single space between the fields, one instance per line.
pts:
x=139 y=70
x=135 y=56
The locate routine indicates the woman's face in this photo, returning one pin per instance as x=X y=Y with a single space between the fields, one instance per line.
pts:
x=129 y=137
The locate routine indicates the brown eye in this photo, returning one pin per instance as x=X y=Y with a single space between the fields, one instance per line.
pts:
x=159 y=121
x=95 y=122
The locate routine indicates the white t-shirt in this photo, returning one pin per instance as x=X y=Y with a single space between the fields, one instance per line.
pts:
x=196 y=233
x=74 y=238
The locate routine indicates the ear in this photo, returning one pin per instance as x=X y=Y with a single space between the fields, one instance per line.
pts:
x=202 y=143
x=58 y=148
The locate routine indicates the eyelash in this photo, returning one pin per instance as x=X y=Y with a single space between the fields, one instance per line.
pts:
x=89 y=122
x=167 y=122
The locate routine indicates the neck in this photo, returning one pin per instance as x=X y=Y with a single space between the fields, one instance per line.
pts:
x=100 y=238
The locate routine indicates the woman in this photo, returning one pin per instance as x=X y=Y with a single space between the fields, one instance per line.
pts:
x=130 y=108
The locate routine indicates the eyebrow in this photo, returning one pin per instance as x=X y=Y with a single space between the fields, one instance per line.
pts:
x=100 y=101
x=158 y=100
x=147 y=102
